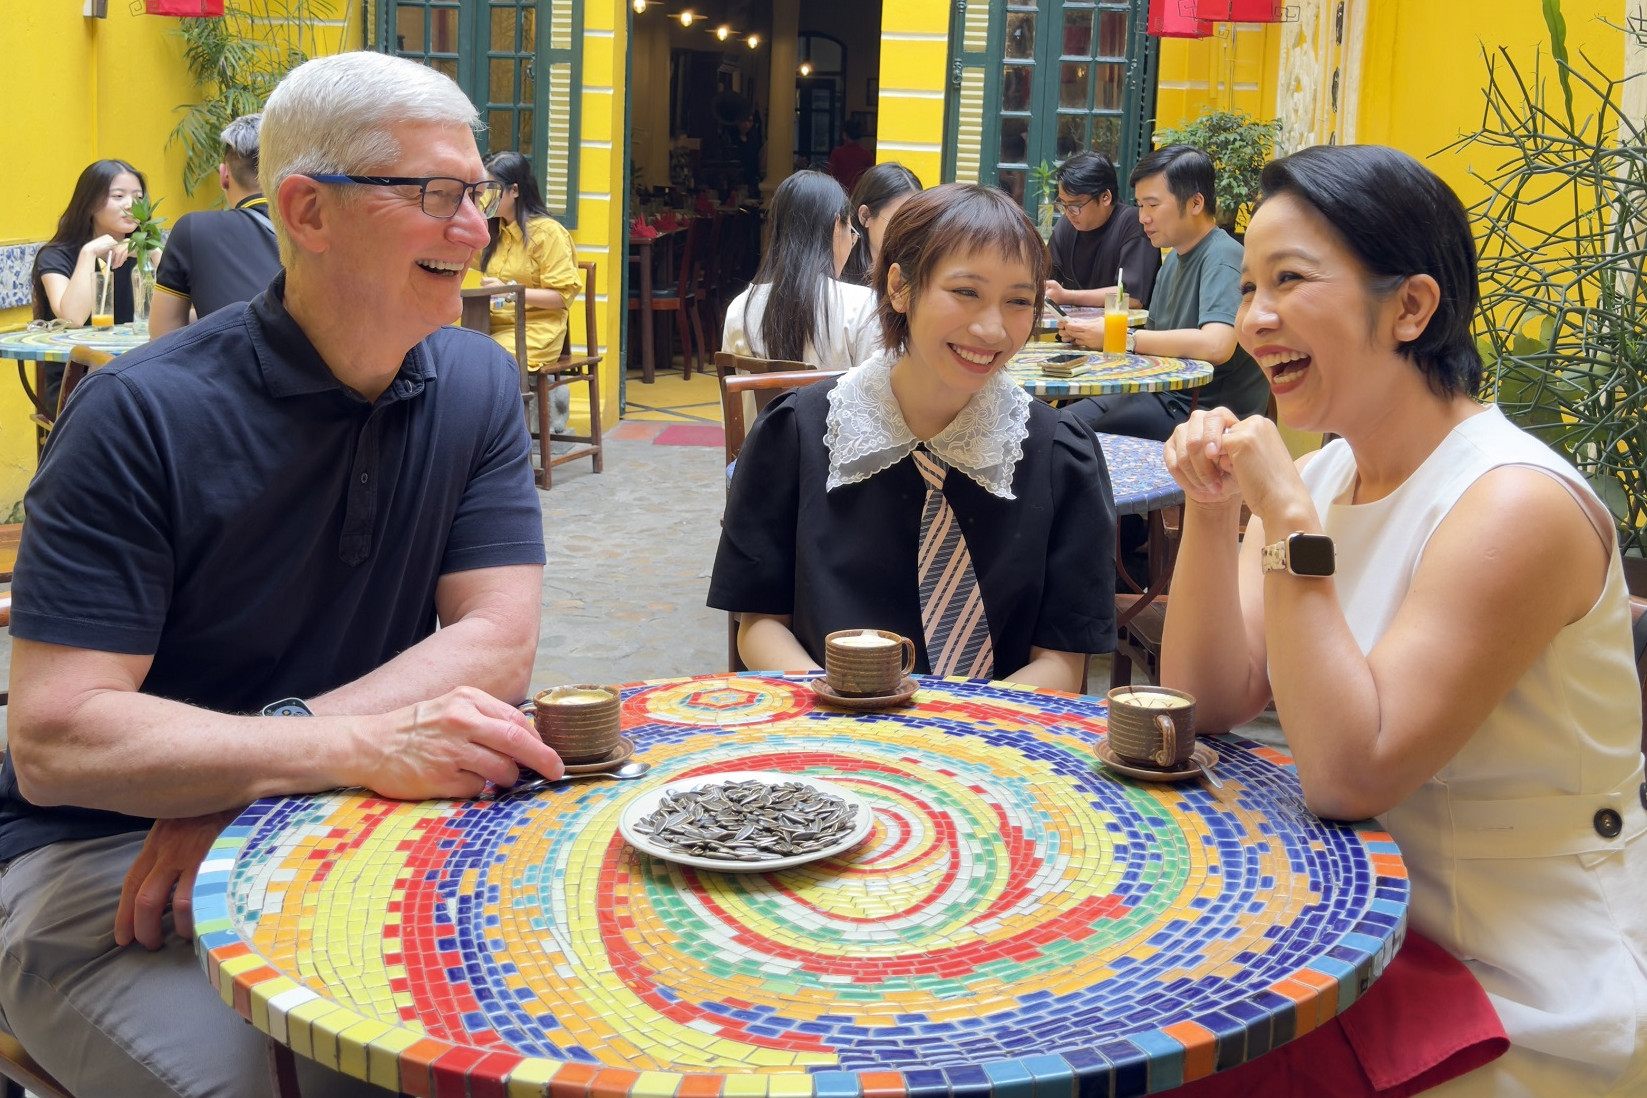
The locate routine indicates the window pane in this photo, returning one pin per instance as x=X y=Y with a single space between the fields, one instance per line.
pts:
x=1072 y=134
x=1020 y=34
x=503 y=28
x=528 y=86
x=502 y=73
x=1014 y=140
x=523 y=137
x=1077 y=33
x=528 y=29
x=500 y=126
x=409 y=29
x=447 y=65
x=1112 y=85
x=443 y=33
x=1112 y=34
x=1072 y=84
x=1012 y=182
x=1015 y=87
x=1106 y=135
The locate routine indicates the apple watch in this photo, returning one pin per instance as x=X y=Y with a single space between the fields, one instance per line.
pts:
x=288 y=707
x=1300 y=554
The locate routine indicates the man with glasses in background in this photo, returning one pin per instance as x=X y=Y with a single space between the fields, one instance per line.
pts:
x=1098 y=236
x=240 y=542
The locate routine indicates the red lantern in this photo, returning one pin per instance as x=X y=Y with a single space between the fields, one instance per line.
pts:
x=1176 y=19
x=188 y=9
x=1239 y=11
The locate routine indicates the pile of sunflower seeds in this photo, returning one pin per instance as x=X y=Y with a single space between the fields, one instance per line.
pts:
x=749 y=821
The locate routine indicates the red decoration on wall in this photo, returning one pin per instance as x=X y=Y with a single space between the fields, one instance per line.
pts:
x=188 y=9
x=1176 y=19
x=1239 y=11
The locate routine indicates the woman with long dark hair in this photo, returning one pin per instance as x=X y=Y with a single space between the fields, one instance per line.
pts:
x=530 y=247
x=797 y=309
x=878 y=194
x=93 y=229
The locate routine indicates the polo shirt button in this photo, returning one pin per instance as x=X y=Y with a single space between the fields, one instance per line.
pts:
x=1608 y=823
x=364 y=477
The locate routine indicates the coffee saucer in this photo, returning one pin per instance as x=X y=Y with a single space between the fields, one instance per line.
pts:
x=906 y=690
x=1204 y=754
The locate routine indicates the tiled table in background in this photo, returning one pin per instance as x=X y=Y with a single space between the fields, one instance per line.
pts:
x=1111 y=374
x=1018 y=922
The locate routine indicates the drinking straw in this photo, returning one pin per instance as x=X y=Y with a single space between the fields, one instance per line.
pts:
x=104 y=306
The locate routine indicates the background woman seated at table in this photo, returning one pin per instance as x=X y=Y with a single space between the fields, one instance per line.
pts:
x=830 y=524
x=530 y=247
x=879 y=193
x=796 y=309
x=1466 y=675
x=93 y=228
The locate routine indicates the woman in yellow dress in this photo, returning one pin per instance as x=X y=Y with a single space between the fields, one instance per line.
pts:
x=530 y=247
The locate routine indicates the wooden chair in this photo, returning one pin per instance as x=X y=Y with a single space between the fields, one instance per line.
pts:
x=733 y=387
x=19 y=1073
x=569 y=369
x=682 y=297
x=82 y=361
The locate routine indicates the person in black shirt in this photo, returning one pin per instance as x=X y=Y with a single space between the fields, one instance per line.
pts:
x=279 y=502
x=1098 y=237
x=823 y=523
x=216 y=258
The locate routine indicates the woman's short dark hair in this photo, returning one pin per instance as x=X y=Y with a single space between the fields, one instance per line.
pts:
x=1399 y=219
x=1089 y=173
x=937 y=223
x=75 y=227
x=799 y=263
x=513 y=169
x=1188 y=171
x=875 y=188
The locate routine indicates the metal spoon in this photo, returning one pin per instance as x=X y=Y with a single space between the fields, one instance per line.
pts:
x=1212 y=779
x=628 y=772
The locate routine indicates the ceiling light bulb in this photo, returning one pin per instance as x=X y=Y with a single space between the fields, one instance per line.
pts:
x=754 y=41
x=687 y=17
x=640 y=7
x=723 y=32
x=806 y=68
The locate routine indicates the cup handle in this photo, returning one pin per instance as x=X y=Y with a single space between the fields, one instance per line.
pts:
x=909 y=657
x=1166 y=754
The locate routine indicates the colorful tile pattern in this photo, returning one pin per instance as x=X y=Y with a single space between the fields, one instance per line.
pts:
x=16 y=274
x=1020 y=922
x=1112 y=374
x=1138 y=474
x=55 y=346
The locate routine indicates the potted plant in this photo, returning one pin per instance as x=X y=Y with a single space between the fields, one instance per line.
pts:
x=1239 y=145
x=1043 y=181
x=1562 y=236
x=144 y=243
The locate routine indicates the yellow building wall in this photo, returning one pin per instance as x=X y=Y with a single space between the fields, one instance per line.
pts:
x=914 y=75
x=1234 y=69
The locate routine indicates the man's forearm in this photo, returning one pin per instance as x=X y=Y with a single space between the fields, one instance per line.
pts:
x=1184 y=343
x=490 y=652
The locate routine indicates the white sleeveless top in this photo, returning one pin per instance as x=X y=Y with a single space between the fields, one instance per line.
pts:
x=1509 y=868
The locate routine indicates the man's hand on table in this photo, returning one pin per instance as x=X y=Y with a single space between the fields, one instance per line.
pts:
x=450 y=747
x=1084 y=332
x=163 y=875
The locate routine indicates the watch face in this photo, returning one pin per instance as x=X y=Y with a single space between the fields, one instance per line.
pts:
x=1310 y=554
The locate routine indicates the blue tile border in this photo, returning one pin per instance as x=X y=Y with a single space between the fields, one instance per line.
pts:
x=16 y=265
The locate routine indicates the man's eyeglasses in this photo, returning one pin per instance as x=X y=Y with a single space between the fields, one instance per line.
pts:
x=1070 y=207
x=441 y=195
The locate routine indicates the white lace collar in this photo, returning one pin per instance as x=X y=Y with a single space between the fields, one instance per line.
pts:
x=865 y=430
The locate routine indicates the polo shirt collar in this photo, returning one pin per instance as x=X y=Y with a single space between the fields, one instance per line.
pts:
x=251 y=200
x=292 y=367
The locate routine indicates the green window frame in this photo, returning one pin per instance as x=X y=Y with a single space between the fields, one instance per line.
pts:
x=499 y=52
x=1034 y=81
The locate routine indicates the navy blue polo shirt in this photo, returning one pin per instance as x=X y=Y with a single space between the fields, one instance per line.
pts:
x=216 y=499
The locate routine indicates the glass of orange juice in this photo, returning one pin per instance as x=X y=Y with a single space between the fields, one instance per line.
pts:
x=102 y=315
x=1115 y=324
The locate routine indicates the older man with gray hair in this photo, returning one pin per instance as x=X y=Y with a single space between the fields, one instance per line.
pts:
x=262 y=518
x=218 y=258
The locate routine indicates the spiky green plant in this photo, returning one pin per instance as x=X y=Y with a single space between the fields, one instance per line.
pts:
x=1562 y=235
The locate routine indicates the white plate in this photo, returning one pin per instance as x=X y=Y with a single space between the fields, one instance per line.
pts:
x=644 y=804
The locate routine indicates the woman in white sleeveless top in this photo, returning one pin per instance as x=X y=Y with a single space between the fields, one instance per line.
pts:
x=1466 y=674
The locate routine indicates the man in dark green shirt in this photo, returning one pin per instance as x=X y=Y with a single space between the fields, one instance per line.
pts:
x=1192 y=312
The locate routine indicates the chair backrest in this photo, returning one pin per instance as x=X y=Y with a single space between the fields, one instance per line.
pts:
x=733 y=386
x=82 y=361
x=591 y=338
x=727 y=363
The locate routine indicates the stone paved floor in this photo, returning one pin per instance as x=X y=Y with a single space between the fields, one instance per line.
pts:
x=630 y=552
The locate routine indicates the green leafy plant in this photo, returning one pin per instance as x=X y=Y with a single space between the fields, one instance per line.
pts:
x=236 y=59
x=1239 y=145
x=1043 y=183
x=148 y=235
x=1562 y=236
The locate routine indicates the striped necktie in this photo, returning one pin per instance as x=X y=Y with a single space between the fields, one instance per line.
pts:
x=952 y=608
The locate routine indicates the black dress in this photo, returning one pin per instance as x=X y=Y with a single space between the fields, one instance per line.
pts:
x=846 y=559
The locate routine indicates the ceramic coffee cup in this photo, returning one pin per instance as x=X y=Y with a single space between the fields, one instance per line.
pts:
x=580 y=721
x=867 y=663
x=1152 y=726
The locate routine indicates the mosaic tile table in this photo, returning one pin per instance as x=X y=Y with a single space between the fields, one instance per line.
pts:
x=1138 y=474
x=1111 y=374
x=1019 y=922
x=55 y=346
